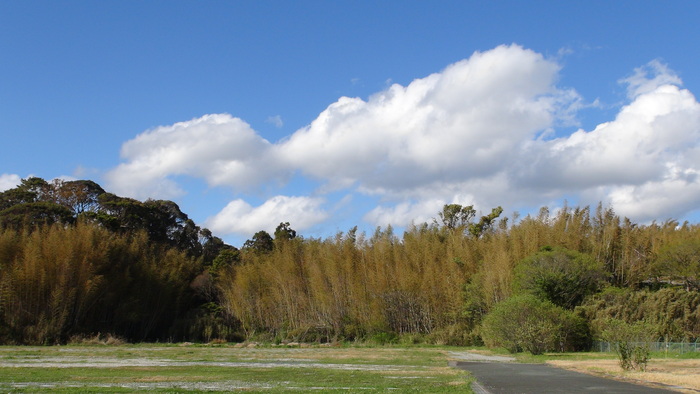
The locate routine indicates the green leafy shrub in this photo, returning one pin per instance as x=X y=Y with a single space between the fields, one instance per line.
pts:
x=384 y=338
x=672 y=311
x=526 y=322
x=562 y=276
x=630 y=341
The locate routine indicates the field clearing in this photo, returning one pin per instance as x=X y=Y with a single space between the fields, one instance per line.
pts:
x=194 y=368
x=682 y=374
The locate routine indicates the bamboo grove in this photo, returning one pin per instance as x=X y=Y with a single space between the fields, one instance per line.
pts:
x=75 y=260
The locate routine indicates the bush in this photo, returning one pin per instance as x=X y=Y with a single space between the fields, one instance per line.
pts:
x=630 y=341
x=452 y=335
x=384 y=338
x=98 y=339
x=672 y=311
x=564 y=277
x=526 y=322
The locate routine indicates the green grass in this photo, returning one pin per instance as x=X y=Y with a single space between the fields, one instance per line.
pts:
x=680 y=356
x=525 y=357
x=194 y=369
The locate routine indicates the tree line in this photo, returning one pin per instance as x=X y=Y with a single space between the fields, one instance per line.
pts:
x=76 y=260
x=447 y=281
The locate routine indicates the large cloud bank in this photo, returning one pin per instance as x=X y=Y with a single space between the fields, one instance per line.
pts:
x=475 y=133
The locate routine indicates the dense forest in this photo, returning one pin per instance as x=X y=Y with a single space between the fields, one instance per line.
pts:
x=76 y=261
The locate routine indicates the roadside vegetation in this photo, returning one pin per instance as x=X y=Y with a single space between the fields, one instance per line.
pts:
x=79 y=262
x=679 y=371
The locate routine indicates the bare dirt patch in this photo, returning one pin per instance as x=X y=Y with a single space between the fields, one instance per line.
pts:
x=226 y=386
x=474 y=355
x=681 y=375
x=106 y=362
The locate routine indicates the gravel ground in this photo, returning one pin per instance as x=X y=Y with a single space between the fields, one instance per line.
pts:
x=469 y=356
x=140 y=386
x=109 y=362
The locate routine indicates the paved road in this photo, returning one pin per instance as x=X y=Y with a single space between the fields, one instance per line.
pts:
x=511 y=378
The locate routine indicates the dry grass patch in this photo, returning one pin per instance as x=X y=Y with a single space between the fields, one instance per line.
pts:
x=684 y=374
x=341 y=354
x=423 y=371
x=98 y=339
x=156 y=378
x=363 y=355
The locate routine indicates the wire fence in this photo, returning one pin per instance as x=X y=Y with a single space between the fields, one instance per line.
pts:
x=668 y=347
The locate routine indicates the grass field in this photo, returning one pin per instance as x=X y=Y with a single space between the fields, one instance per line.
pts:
x=209 y=368
x=191 y=368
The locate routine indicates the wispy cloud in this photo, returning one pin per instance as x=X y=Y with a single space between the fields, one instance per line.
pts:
x=275 y=121
x=649 y=77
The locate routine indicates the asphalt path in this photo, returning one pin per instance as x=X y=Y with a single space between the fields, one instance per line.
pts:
x=511 y=378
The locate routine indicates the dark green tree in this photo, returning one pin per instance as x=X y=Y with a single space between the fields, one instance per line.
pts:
x=564 y=277
x=261 y=242
x=455 y=216
x=679 y=262
x=23 y=194
x=485 y=223
x=284 y=232
x=34 y=214
x=211 y=246
x=121 y=214
x=228 y=257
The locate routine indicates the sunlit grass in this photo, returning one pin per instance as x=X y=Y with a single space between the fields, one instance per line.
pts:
x=224 y=368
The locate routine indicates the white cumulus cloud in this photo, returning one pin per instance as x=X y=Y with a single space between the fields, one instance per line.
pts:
x=219 y=148
x=240 y=217
x=658 y=128
x=459 y=124
x=407 y=212
x=644 y=162
x=476 y=133
x=8 y=181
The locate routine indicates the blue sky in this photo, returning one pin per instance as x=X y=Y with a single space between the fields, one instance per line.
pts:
x=331 y=114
